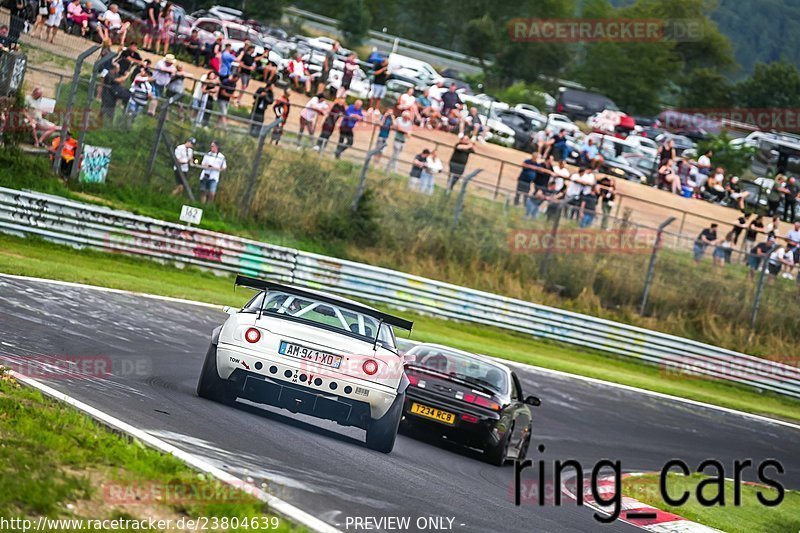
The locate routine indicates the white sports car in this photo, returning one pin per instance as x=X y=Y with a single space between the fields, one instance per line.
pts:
x=313 y=353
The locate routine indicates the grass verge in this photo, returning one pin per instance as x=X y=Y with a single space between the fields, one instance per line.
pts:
x=60 y=464
x=749 y=516
x=33 y=257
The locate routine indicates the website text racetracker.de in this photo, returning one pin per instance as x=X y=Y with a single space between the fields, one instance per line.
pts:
x=582 y=241
x=203 y=523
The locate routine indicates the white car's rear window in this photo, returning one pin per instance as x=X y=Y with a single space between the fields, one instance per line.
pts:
x=324 y=314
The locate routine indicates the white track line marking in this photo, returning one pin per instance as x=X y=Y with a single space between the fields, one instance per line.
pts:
x=281 y=507
x=531 y=368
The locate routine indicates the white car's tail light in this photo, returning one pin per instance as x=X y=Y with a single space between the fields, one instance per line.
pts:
x=252 y=335
x=370 y=367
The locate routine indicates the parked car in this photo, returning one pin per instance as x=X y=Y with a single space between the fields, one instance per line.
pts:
x=524 y=127
x=228 y=14
x=532 y=112
x=469 y=400
x=313 y=353
x=556 y=122
x=643 y=144
x=234 y=33
x=578 y=104
x=484 y=102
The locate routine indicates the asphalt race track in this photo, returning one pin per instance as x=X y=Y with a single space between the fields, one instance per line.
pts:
x=157 y=349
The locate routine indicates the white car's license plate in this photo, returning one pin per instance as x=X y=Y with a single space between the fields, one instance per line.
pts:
x=310 y=354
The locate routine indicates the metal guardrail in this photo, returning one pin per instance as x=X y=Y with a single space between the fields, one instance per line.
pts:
x=83 y=225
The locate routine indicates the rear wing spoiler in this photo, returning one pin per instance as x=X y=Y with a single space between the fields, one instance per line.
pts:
x=263 y=285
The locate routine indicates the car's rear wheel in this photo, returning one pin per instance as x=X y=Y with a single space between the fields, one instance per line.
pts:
x=382 y=433
x=210 y=386
x=498 y=454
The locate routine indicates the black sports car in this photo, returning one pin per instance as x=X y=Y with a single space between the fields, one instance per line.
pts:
x=468 y=399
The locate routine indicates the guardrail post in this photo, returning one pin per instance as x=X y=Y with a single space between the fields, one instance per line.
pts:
x=70 y=104
x=106 y=59
x=652 y=266
x=499 y=178
x=162 y=120
x=460 y=202
x=362 y=179
x=251 y=182
x=760 y=288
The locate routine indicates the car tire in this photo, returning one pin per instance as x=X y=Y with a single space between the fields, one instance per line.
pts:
x=498 y=454
x=382 y=433
x=210 y=386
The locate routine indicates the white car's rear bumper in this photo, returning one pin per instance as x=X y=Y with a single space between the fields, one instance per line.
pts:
x=301 y=386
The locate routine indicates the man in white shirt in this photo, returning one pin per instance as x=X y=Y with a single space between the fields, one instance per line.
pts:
x=315 y=110
x=34 y=113
x=111 y=25
x=435 y=94
x=573 y=192
x=560 y=175
x=213 y=164
x=183 y=158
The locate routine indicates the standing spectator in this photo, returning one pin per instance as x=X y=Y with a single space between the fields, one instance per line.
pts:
x=213 y=164
x=417 y=166
x=111 y=92
x=666 y=152
x=386 y=124
x=281 y=109
x=351 y=117
x=525 y=179
x=790 y=191
x=777 y=260
x=127 y=58
x=560 y=176
x=141 y=93
x=214 y=52
x=261 y=102
x=42 y=12
x=738 y=228
x=329 y=124
x=774 y=196
x=194 y=48
x=151 y=17
x=573 y=193
x=327 y=66
x=706 y=238
x=558 y=146
x=773 y=226
x=34 y=113
x=247 y=65
x=166 y=19
x=756 y=256
x=209 y=88
x=298 y=73
x=227 y=91
x=349 y=72
x=722 y=251
x=588 y=209
x=111 y=26
x=450 y=100
x=433 y=166
x=311 y=113
x=162 y=74
x=380 y=77
x=751 y=233
x=53 y=21
x=402 y=129
x=177 y=84
x=608 y=194
x=17 y=22
x=226 y=61
x=183 y=158
x=458 y=161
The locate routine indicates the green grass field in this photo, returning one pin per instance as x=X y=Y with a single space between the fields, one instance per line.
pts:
x=33 y=257
x=747 y=517
x=56 y=462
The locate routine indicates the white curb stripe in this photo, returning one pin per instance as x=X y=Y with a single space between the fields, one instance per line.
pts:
x=533 y=368
x=281 y=507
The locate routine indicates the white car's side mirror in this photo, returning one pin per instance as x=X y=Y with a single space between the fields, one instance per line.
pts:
x=229 y=310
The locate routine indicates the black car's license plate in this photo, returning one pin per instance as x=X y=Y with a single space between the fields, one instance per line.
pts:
x=310 y=354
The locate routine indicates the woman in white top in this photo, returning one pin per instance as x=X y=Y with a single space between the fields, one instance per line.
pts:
x=54 y=19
